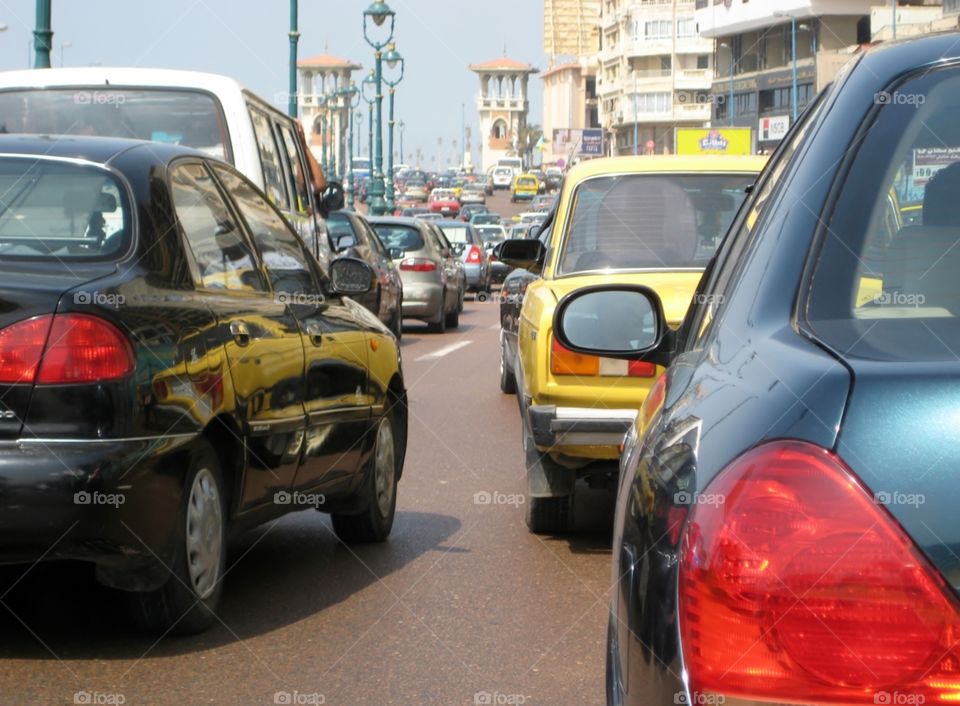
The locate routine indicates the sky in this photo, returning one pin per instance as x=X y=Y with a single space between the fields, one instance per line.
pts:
x=247 y=39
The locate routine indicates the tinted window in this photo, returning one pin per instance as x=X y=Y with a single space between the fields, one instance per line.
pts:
x=403 y=237
x=650 y=221
x=281 y=250
x=61 y=211
x=299 y=177
x=457 y=234
x=491 y=235
x=886 y=285
x=221 y=253
x=273 y=183
x=178 y=117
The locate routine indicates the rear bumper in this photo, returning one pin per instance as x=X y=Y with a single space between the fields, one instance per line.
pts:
x=422 y=300
x=554 y=426
x=114 y=503
x=475 y=275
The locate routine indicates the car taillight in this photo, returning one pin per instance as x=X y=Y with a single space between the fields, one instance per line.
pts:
x=84 y=348
x=418 y=264
x=474 y=256
x=21 y=349
x=796 y=586
x=565 y=362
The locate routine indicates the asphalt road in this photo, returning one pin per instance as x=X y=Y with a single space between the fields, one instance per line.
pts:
x=461 y=602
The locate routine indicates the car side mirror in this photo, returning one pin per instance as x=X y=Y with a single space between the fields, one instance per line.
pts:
x=350 y=276
x=397 y=253
x=458 y=248
x=523 y=253
x=615 y=321
x=345 y=242
x=331 y=198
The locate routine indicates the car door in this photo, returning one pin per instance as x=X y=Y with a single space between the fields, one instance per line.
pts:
x=260 y=336
x=345 y=224
x=452 y=267
x=335 y=390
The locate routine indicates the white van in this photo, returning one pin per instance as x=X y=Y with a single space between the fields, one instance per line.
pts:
x=211 y=113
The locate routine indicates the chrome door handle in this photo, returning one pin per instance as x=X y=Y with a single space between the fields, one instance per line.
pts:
x=240 y=333
x=315 y=333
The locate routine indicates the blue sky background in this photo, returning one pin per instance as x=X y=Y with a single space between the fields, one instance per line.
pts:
x=247 y=39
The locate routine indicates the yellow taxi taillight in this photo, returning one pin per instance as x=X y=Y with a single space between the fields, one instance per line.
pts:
x=565 y=362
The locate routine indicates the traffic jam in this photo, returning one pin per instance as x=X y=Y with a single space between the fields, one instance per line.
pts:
x=634 y=429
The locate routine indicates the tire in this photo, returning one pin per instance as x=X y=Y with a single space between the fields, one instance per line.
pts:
x=550 y=515
x=396 y=323
x=453 y=319
x=187 y=603
x=379 y=492
x=508 y=383
x=463 y=296
x=440 y=326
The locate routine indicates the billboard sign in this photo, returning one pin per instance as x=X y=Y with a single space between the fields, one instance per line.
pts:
x=570 y=142
x=774 y=128
x=724 y=140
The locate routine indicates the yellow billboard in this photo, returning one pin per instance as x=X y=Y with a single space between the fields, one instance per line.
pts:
x=717 y=140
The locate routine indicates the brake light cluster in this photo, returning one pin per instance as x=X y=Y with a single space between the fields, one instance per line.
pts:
x=61 y=349
x=475 y=256
x=417 y=264
x=563 y=361
x=797 y=586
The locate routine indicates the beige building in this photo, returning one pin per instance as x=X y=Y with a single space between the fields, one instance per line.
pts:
x=503 y=106
x=319 y=76
x=655 y=73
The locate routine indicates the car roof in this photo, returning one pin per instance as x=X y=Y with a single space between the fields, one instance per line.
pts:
x=666 y=164
x=118 y=76
x=395 y=221
x=99 y=150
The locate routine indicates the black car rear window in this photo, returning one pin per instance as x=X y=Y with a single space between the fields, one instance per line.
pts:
x=396 y=236
x=59 y=211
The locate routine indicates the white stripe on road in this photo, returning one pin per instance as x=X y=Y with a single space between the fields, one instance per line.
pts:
x=446 y=350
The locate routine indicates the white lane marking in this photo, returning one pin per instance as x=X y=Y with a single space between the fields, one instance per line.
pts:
x=446 y=350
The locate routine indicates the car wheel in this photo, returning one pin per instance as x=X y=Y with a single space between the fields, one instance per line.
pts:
x=440 y=325
x=453 y=319
x=463 y=296
x=508 y=383
x=380 y=492
x=396 y=322
x=187 y=603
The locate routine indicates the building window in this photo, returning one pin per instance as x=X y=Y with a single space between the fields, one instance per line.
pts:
x=652 y=102
x=657 y=29
x=951 y=7
x=686 y=28
x=499 y=131
x=703 y=61
x=746 y=103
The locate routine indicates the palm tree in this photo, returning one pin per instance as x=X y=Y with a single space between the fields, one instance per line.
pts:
x=527 y=139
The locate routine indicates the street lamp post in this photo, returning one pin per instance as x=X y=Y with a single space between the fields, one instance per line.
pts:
x=294 y=36
x=379 y=12
x=42 y=36
x=322 y=104
x=368 y=90
x=349 y=94
x=401 y=125
x=730 y=108
x=393 y=58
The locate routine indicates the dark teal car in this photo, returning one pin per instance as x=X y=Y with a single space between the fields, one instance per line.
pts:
x=787 y=527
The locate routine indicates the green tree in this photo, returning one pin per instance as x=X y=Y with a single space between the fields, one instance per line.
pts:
x=527 y=140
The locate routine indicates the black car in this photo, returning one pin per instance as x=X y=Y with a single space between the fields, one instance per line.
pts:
x=351 y=235
x=786 y=527
x=471 y=209
x=175 y=368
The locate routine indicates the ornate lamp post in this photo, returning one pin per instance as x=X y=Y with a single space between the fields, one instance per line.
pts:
x=379 y=12
x=322 y=105
x=349 y=94
x=401 y=125
x=368 y=90
x=392 y=57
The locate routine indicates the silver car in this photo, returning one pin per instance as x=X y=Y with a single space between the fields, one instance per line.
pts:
x=433 y=280
x=473 y=193
x=468 y=246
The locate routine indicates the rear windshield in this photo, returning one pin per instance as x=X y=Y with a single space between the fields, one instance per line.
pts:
x=494 y=235
x=457 y=234
x=403 y=237
x=337 y=225
x=650 y=220
x=190 y=118
x=51 y=210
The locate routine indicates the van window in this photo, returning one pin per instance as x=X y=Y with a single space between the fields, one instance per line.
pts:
x=299 y=179
x=180 y=117
x=270 y=160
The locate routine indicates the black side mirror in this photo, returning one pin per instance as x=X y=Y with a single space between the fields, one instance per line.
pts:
x=350 y=276
x=523 y=253
x=331 y=198
x=615 y=321
x=397 y=253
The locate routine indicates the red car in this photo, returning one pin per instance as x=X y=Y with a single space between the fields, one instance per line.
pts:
x=444 y=201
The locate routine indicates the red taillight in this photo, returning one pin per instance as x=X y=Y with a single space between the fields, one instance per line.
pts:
x=474 y=256
x=418 y=264
x=84 y=348
x=21 y=349
x=796 y=586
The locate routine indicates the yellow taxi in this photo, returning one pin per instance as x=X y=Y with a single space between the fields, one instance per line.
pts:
x=651 y=220
x=524 y=188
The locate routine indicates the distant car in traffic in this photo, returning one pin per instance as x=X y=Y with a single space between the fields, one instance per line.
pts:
x=502 y=177
x=485 y=218
x=466 y=244
x=473 y=193
x=415 y=190
x=444 y=202
x=524 y=187
x=470 y=210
